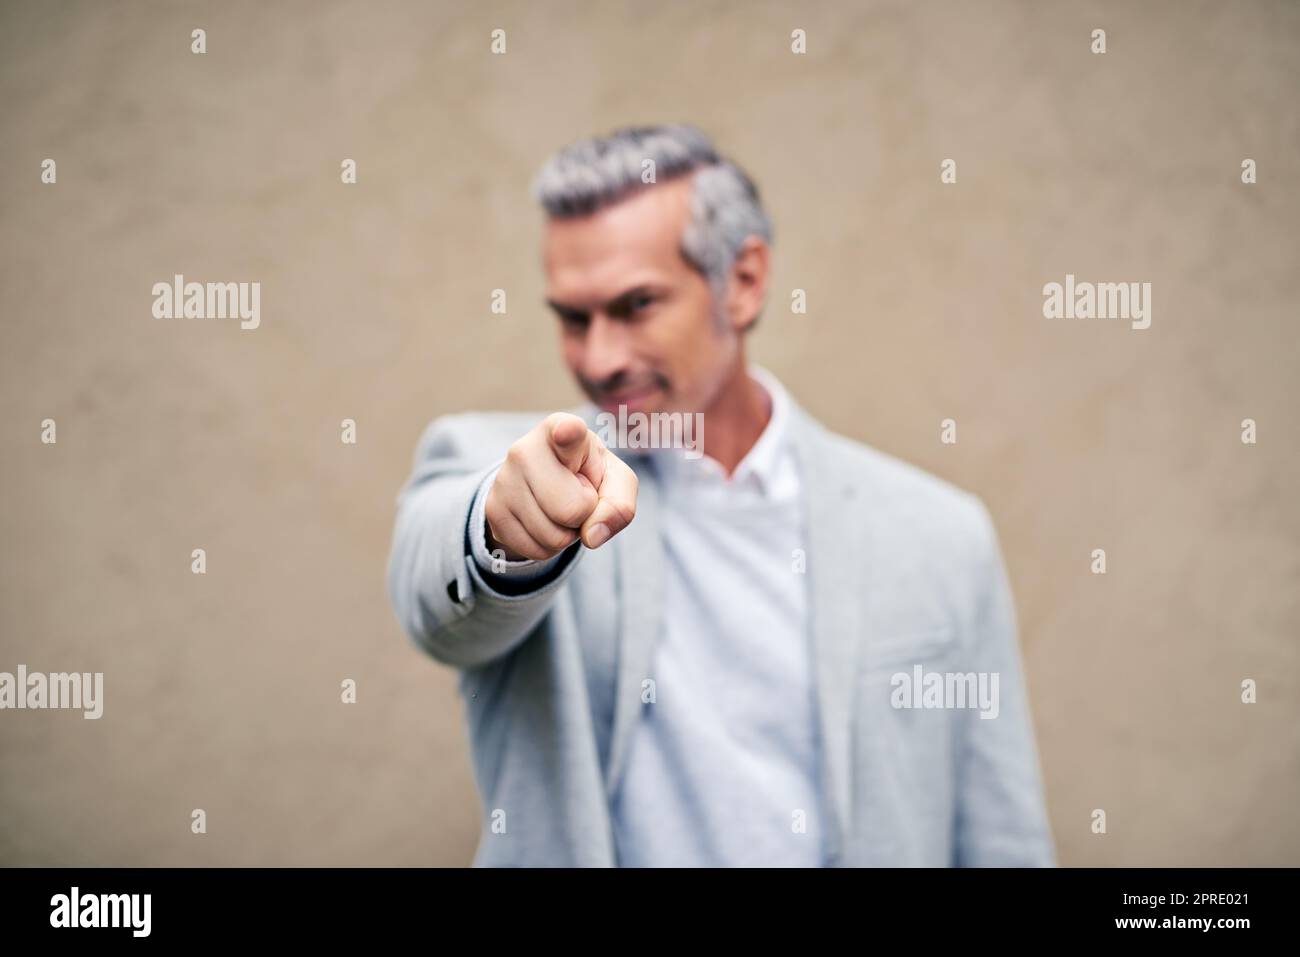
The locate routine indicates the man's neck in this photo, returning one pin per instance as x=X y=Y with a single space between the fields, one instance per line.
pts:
x=736 y=419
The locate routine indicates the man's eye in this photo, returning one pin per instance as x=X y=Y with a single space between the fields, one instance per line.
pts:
x=640 y=302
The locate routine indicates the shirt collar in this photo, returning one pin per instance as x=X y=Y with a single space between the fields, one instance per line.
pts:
x=763 y=460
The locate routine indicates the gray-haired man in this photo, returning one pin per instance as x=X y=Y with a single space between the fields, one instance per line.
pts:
x=671 y=659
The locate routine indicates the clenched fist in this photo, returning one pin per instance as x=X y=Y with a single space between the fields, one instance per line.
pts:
x=558 y=484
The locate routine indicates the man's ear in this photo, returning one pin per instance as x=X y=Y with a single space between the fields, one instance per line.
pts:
x=747 y=284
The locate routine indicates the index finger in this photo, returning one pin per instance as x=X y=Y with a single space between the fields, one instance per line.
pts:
x=567 y=436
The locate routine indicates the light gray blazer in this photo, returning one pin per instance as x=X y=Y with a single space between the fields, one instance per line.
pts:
x=903 y=570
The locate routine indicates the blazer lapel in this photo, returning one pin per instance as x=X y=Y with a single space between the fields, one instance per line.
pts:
x=836 y=567
x=640 y=589
x=640 y=585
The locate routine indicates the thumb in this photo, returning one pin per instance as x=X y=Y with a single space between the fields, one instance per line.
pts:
x=616 y=506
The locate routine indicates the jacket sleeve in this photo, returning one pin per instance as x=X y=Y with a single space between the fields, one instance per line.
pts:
x=1001 y=813
x=447 y=605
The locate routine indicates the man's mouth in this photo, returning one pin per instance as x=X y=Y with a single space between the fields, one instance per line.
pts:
x=636 y=400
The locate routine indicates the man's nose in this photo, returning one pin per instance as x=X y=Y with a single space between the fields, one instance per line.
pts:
x=606 y=349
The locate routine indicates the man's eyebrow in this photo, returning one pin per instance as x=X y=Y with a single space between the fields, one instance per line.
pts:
x=618 y=303
x=563 y=310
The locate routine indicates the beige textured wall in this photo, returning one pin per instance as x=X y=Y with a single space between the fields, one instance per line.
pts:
x=222 y=691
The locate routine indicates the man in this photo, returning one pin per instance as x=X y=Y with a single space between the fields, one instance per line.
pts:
x=749 y=656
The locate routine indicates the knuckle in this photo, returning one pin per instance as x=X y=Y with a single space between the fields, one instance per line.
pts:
x=503 y=496
x=572 y=510
x=523 y=544
x=628 y=510
x=562 y=515
x=494 y=508
x=516 y=455
x=557 y=540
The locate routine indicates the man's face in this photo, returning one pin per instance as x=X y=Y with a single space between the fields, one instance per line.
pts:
x=637 y=323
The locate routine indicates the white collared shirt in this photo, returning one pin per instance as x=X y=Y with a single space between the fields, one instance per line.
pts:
x=723 y=767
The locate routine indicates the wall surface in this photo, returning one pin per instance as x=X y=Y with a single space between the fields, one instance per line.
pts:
x=924 y=302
